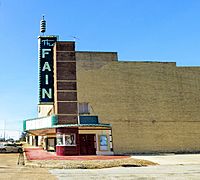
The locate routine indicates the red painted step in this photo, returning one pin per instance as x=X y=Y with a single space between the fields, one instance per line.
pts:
x=40 y=154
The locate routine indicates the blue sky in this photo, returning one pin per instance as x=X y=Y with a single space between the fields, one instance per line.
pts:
x=155 y=30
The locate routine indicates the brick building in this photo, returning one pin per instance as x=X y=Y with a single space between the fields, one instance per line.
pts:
x=152 y=106
x=64 y=124
x=91 y=103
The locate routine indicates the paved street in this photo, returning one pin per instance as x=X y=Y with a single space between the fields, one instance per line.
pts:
x=172 y=167
x=10 y=170
x=186 y=172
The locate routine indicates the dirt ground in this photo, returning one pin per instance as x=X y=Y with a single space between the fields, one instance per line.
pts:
x=10 y=170
x=37 y=157
x=89 y=164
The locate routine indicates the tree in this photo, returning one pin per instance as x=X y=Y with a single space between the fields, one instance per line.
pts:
x=23 y=136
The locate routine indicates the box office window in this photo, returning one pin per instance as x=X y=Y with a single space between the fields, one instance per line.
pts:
x=66 y=139
x=84 y=108
x=59 y=139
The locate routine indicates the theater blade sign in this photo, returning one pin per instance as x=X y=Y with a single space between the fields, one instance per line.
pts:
x=46 y=69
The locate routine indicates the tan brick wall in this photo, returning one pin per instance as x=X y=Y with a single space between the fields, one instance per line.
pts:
x=152 y=106
x=102 y=56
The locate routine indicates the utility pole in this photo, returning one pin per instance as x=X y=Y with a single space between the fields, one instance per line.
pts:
x=4 y=131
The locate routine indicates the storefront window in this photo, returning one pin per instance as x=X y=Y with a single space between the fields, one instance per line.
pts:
x=70 y=139
x=59 y=139
x=103 y=143
x=66 y=139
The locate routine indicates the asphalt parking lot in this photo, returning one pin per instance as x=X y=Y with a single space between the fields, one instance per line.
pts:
x=185 y=172
x=171 y=166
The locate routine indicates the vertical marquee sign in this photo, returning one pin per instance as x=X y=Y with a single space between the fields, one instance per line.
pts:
x=46 y=89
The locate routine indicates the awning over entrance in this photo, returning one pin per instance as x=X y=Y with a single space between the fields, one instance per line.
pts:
x=47 y=125
x=88 y=137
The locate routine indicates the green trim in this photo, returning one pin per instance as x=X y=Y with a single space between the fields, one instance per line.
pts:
x=83 y=125
x=54 y=124
x=24 y=125
x=54 y=120
x=74 y=125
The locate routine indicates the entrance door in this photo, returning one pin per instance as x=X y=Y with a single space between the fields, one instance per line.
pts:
x=50 y=144
x=87 y=144
x=36 y=140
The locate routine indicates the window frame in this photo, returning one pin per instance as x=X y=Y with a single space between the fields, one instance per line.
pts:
x=83 y=108
x=63 y=137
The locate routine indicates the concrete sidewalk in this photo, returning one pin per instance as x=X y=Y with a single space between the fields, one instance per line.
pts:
x=173 y=166
x=171 y=159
